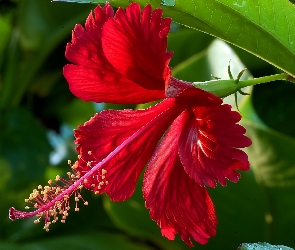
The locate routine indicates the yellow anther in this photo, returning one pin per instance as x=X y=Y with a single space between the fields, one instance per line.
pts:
x=103 y=177
x=69 y=173
x=27 y=207
x=86 y=203
x=50 y=182
x=103 y=171
x=57 y=178
x=90 y=152
x=26 y=200
x=85 y=181
x=69 y=162
x=36 y=221
x=106 y=182
x=88 y=164
x=39 y=187
x=77 y=209
x=62 y=221
x=79 y=156
x=76 y=199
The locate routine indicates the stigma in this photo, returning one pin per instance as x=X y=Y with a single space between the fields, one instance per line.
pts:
x=52 y=201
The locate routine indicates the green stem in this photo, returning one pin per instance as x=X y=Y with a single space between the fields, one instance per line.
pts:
x=264 y=79
x=223 y=88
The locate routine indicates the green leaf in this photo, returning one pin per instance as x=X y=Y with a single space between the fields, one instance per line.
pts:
x=24 y=144
x=264 y=28
x=262 y=246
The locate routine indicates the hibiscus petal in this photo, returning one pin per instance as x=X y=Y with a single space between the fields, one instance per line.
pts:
x=176 y=202
x=135 y=43
x=92 y=77
x=208 y=145
x=124 y=140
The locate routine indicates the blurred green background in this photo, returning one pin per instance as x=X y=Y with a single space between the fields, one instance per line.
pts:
x=38 y=114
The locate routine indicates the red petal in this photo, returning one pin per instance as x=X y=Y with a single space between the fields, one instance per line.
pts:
x=135 y=43
x=208 y=145
x=124 y=140
x=92 y=77
x=175 y=201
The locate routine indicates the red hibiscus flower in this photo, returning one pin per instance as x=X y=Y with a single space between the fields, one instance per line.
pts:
x=188 y=141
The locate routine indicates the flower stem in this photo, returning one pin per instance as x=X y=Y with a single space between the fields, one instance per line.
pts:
x=264 y=79
x=223 y=88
